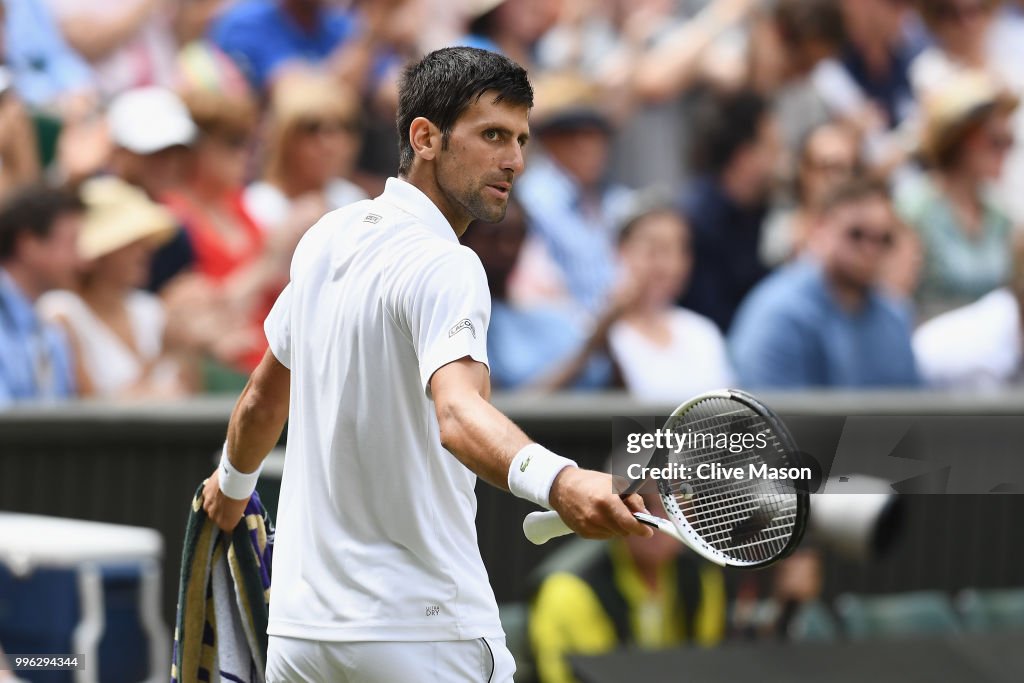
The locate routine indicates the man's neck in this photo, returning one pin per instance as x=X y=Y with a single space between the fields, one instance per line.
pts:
x=737 y=189
x=24 y=281
x=425 y=181
x=850 y=297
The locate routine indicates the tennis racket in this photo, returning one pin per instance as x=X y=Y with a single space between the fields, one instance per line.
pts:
x=739 y=521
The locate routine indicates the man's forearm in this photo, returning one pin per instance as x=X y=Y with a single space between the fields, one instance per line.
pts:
x=255 y=427
x=482 y=438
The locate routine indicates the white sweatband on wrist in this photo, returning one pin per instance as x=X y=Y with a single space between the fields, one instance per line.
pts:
x=533 y=471
x=235 y=484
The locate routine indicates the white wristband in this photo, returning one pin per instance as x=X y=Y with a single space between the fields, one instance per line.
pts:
x=235 y=484
x=533 y=471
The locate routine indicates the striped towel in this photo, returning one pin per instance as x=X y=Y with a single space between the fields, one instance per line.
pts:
x=223 y=596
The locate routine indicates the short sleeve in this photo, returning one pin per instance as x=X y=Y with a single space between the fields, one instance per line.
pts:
x=278 y=328
x=448 y=310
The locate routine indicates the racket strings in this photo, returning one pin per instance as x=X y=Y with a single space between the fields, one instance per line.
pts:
x=749 y=520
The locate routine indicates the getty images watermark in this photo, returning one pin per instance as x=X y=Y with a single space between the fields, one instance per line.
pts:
x=728 y=467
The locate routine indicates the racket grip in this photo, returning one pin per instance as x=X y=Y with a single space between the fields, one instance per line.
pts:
x=541 y=527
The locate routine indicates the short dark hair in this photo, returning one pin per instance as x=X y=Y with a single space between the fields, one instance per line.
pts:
x=855 y=190
x=443 y=84
x=32 y=209
x=804 y=21
x=724 y=123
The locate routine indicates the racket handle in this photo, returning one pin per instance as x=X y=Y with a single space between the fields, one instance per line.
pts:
x=541 y=527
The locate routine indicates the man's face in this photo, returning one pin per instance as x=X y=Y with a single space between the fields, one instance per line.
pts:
x=156 y=173
x=54 y=259
x=859 y=236
x=483 y=157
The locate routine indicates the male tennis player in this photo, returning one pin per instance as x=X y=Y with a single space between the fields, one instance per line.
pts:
x=379 y=341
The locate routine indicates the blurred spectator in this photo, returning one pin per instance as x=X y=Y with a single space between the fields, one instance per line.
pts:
x=828 y=156
x=972 y=35
x=195 y=17
x=571 y=205
x=979 y=346
x=511 y=27
x=313 y=142
x=736 y=149
x=664 y=351
x=869 y=81
x=266 y=36
x=228 y=247
x=647 y=593
x=116 y=330
x=150 y=130
x=128 y=43
x=39 y=230
x=963 y=228
x=19 y=156
x=824 y=321
x=47 y=73
x=535 y=346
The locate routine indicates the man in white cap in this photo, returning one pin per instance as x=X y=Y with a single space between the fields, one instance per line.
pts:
x=151 y=130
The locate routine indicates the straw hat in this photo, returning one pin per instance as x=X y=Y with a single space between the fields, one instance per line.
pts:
x=566 y=101
x=952 y=107
x=118 y=214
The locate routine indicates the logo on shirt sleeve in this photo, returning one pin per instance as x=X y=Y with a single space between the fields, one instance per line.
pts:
x=463 y=324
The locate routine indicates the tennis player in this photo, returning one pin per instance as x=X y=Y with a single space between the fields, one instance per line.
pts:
x=378 y=361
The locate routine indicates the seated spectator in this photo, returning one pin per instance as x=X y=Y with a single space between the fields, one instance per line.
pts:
x=535 y=346
x=828 y=156
x=265 y=37
x=48 y=74
x=979 y=346
x=972 y=35
x=228 y=247
x=128 y=44
x=511 y=27
x=963 y=228
x=38 y=252
x=19 y=153
x=571 y=206
x=313 y=143
x=823 y=321
x=150 y=131
x=664 y=352
x=736 y=149
x=647 y=593
x=117 y=331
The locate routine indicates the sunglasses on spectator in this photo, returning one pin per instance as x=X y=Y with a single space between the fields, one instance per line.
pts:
x=953 y=11
x=318 y=127
x=859 y=235
x=830 y=166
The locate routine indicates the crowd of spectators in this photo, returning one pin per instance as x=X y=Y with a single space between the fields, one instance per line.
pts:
x=773 y=194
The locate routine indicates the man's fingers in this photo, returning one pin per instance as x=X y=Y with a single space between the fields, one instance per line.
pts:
x=635 y=503
x=628 y=524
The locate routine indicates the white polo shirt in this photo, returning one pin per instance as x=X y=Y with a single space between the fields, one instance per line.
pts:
x=376 y=538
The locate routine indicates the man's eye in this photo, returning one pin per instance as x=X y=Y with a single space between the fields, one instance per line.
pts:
x=491 y=134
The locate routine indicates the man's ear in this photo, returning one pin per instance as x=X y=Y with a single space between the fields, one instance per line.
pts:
x=425 y=138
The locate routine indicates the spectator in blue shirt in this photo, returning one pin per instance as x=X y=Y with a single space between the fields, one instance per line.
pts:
x=45 y=69
x=38 y=252
x=824 y=321
x=736 y=148
x=263 y=35
x=539 y=346
x=571 y=206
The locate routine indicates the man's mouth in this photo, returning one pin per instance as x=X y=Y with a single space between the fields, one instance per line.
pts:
x=502 y=189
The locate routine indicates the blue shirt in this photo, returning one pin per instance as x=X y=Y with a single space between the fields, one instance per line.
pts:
x=260 y=36
x=791 y=333
x=524 y=344
x=891 y=90
x=42 y=64
x=35 y=361
x=580 y=242
x=726 y=246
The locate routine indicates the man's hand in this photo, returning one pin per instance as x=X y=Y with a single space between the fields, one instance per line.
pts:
x=225 y=512
x=587 y=503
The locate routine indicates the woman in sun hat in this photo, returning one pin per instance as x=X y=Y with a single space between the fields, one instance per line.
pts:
x=117 y=330
x=964 y=229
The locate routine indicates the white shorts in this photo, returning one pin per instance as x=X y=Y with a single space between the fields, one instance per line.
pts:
x=295 y=660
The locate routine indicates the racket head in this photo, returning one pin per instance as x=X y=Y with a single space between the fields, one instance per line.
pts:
x=749 y=523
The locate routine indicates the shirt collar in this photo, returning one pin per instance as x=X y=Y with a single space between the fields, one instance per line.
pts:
x=15 y=305
x=409 y=198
